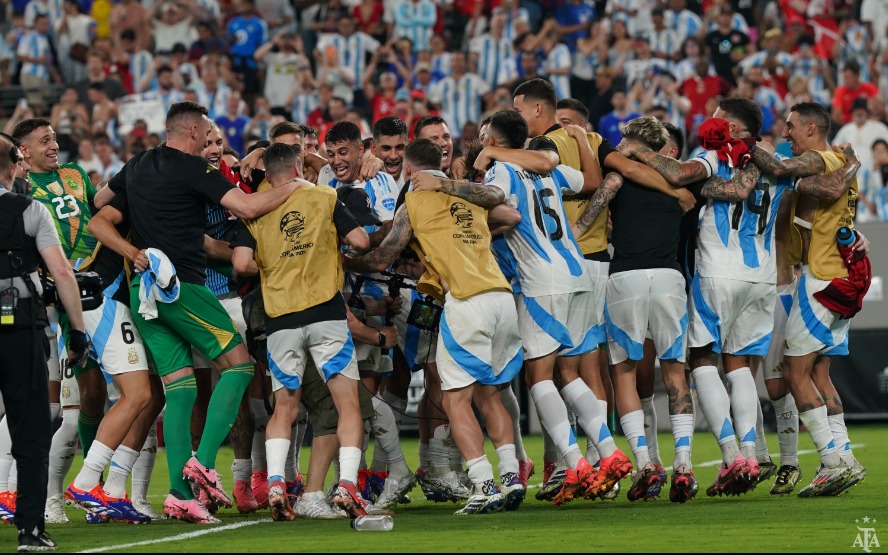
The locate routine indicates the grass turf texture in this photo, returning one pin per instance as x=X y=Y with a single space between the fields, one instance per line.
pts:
x=753 y=522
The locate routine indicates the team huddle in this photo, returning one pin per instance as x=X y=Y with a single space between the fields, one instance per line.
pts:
x=247 y=298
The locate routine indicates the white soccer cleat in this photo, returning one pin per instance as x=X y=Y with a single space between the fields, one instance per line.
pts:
x=451 y=485
x=144 y=507
x=314 y=505
x=55 y=510
x=394 y=490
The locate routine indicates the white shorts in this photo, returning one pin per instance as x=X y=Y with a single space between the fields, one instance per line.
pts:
x=479 y=341
x=419 y=346
x=599 y=272
x=562 y=323
x=641 y=301
x=329 y=344
x=115 y=341
x=772 y=363
x=53 y=363
x=735 y=316
x=70 y=393
x=234 y=309
x=813 y=328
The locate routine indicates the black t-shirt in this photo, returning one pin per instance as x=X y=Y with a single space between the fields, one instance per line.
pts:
x=167 y=193
x=108 y=264
x=604 y=150
x=645 y=229
x=720 y=47
x=687 y=238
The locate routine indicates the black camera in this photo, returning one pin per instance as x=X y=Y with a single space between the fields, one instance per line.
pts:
x=90 y=285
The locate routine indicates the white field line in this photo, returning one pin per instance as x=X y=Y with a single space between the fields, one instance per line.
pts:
x=178 y=537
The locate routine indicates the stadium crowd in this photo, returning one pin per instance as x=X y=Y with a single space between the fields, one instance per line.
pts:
x=219 y=243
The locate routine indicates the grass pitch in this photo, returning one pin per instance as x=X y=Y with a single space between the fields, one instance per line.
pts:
x=754 y=522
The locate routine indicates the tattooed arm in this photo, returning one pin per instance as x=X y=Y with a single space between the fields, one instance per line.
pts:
x=481 y=194
x=832 y=186
x=388 y=251
x=676 y=172
x=738 y=188
x=602 y=197
x=809 y=163
x=378 y=236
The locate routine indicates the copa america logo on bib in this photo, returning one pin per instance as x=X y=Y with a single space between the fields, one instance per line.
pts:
x=866 y=535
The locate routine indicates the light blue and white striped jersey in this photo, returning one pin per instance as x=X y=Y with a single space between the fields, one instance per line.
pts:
x=513 y=18
x=352 y=51
x=169 y=97
x=874 y=189
x=215 y=102
x=34 y=45
x=559 y=58
x=766 y=97
x=855 y=47
x=547 y=258
x=685 y=23
x=738 y=23
x=666 y=41
x=460 y=100
x=304 y=104
x=496 y=59
x=784 y=59
x=805 y=67
x=737 y=238
x=440 y=66
x=140 y=66
x=415 y=21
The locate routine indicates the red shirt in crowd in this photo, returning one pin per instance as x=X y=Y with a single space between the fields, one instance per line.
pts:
x=700 y=89
x=844 y=97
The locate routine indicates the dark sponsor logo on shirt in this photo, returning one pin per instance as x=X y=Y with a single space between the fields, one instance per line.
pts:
x=292 y=226
x=463 y=218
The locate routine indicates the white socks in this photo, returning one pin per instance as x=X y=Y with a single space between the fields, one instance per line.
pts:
x=6 y=460
x=480 y=471
x=650 y=429
x=683 y=434
x=745 y=405
x=840 y=434
x=145 y=465
x=61 y=452
x=508 y=462
x=633 y=426
x=96 y=460
x=553 y=415
x=349 y=459
x=787 y=429
x=716 y=407
x=815 y=420
x=583 y=403
x=121 y=466
x=276 y=450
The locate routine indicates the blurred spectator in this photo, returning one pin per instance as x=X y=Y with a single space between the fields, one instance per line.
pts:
x=862 y=132
x=70 y=120
x=319 y=116
x=110 y=163
x=714 y=13
x=517 y=18
x=573 y=18
x=38 y=64
x=619 y=46
x=686 y=67
x=440 y=61
x=600 y=100
x=770 y=49
x=246 y=33
x=52 y=10
x=173 y=23
x=328 y=16
x=100 y=11
x=214 y=92
x=682 y=21
x=167 y=86
x=339 y=77
x=335 y=111
x=768 y=98
x=104 y=110
x=492 y=55
x=261 y=123
x=664 y=42
x=369 y=14
x=283 y=59
x=851 y=89
x=95 y=73
x=727 y=46
x=414 y=19
x=139 y=63
x=635 y=14
x=460 y=95
x=698 y=89
x=351 y=49
x=813 y=67
x=872 y=201
x=74 y=33
x=233 y=124
x=383 y=100
x=277 y=14
x=853 y=45
x=305 y=97
x=207 y=42
x=611 y=124
x=643 y=64
x=557 y=63
x=86 y=157
x=423 y=78
x=585 y=63
x=874 y=15
x=130 y=14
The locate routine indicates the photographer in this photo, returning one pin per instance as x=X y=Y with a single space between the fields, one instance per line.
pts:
x=27 y=235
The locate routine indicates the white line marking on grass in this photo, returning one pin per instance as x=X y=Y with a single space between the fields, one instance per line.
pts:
x=178 y=537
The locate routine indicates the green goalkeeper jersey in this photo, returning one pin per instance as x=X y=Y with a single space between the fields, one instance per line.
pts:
x=67 y=192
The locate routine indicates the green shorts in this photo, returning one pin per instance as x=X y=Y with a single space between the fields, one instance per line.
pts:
x=197 y=319
x=319 y=403
x=65 y=329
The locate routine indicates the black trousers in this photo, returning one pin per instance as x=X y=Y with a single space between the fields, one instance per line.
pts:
x=23 y=384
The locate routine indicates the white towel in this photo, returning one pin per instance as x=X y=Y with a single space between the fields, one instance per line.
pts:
x=159 y=283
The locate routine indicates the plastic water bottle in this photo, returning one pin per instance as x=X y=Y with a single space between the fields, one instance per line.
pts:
x=373 y=523
x=845 y=236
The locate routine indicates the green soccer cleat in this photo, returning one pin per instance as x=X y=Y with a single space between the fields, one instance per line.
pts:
x=787 y=478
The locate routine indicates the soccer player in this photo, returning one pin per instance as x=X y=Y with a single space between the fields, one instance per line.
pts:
x=479 y=347
x=296 y=248
x=389 y=142
x=646 y=294
x=814 y=333
x=167 y=189
x=555 y=308
x=436 y=130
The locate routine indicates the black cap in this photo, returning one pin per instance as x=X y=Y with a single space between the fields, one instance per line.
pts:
x=179 y=48
x=357 y=201
x=859 y=104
